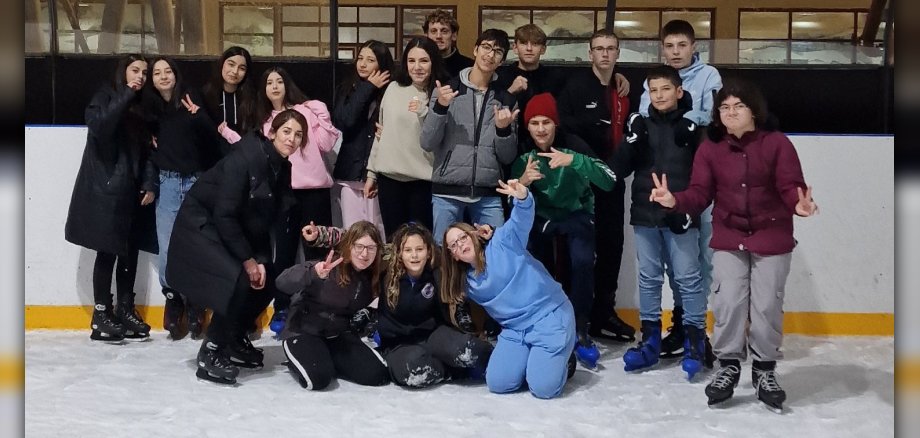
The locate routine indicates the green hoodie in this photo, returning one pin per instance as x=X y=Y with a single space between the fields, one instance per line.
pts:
x=565 y=190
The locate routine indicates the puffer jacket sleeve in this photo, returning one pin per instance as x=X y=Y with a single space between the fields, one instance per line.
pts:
x=297 y=278
x=230 y=204
x=103 y=115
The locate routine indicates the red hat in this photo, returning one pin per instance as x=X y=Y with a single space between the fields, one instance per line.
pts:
x=542 y=104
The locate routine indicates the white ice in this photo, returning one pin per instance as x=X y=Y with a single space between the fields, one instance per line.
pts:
x=837 y=387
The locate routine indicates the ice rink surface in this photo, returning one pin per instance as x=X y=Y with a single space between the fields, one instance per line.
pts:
x=836 y=386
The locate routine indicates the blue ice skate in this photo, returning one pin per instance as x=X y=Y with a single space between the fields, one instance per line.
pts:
x=278 y=321
x=645 y=354
x=694 y=359
x=586 y=352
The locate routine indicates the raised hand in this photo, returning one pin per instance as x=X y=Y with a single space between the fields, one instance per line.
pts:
x=519 y=84
x=531 y=172
x=504 y=116
x=309 y=232
x=414 y=104
x=445 y=93
x=806 y=205
x=557 y=159
x=512 y=188
x=484 y=231
x=370 y=188
x=660 y=193
x=189 y=105
x=379 y=78
x=136 y=84
x=324 y=267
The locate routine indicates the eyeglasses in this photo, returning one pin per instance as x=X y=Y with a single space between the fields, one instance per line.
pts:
x=360 y=248
x=724 y=108
x=490 y=49
x=454 y=247
x=601 y=49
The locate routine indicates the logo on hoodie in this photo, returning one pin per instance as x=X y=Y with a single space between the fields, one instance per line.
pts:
x=428 y=291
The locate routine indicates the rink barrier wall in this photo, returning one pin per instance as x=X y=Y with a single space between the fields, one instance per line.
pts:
x=11 y=373
x=804 y=323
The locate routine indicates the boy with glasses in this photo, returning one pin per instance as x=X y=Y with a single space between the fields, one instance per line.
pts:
x=591 y=107
x=470 y=131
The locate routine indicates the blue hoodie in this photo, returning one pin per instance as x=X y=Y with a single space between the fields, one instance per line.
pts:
x=700 y=80
x=515 y=288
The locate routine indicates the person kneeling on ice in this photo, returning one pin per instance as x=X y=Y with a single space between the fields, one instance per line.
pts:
x=317 y=340
x=665 y=141
x=560 y=169
x=537 y=319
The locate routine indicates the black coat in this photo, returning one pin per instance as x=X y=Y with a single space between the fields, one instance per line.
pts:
x=105 y=212
x=226 y=218
x=322 y=307
x=354 y=116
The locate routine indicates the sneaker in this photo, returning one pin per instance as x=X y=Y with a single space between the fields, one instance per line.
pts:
x=724 y=382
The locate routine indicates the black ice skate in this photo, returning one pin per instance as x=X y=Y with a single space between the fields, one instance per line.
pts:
x=195 y=317
x=172 y=315
x=242 y=353
x=724 y=382
x=105 y=326
x=672 y=345
x=214 y=366
x=135 y=327
x=763 y=375
x=614 y=329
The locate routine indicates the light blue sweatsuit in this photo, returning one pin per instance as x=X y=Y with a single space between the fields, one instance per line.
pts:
x=700 y=80
x=537 y=319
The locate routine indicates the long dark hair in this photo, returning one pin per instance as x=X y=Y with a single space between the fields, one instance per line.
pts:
x=134 y=120
x=290 y=114
x=263 y=106
x=121 y=78
x=151 y=93
x=214 y=88
x=384 y=63
x=437 y=63
x=751 y=96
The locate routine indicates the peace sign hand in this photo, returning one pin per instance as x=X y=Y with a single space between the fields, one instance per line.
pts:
x=531 y=172
x=504 y=116
x=513 y=188
x=660 y=193
x=189 y=105
x=323 y=268
x=446 y=94
x=557 y=159
x=806 y=205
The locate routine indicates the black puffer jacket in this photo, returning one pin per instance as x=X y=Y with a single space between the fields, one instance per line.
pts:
x=105 y=212
x=659 y=154
x=226 y=218
x=322 y=307
x=354 y=115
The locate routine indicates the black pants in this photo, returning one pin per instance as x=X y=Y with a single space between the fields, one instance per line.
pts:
x=315 y=361
x=312 y=205
x=125 y=272
x=429 y=362
x=245 y=305
x=608 y=219
x=403 y=202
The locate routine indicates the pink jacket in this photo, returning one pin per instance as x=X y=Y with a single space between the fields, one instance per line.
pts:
x=308 y=170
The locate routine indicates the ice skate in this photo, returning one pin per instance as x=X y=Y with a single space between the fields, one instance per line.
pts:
x=586 y=351
x=614 y=329
x=672 y=345
x=279 y=319
x=723 y=384
x=214 y=366
x=195 y=317
x=763 y=375
x=243 y=354
x=645 y=354
x=135 y=327
x=694 y=351
x=172 y=314
x=105 y=326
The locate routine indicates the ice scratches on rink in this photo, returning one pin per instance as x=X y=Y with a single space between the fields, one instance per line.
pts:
x=837 y=387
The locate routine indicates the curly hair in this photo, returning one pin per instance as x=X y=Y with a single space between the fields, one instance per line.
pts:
x=396 y=266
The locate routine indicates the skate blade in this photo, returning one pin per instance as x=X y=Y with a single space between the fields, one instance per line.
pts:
x=137 y=337
x=588 y=366
x=776 y=408
x=719 y=403
x=109 y=339
x=611 y=336
x=248 y=365
x=672 y=354
x=204 y=375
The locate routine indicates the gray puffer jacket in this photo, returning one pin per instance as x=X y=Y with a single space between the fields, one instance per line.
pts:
x=469 y=150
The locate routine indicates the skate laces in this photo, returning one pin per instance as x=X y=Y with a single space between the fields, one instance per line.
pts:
x=767 y=381
x=725 y=378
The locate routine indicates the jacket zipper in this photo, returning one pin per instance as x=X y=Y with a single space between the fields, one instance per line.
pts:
x=477 y=132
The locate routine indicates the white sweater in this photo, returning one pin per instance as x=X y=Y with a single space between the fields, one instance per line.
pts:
x=398 y=153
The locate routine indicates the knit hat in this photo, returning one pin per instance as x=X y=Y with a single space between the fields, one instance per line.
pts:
x=542 y=104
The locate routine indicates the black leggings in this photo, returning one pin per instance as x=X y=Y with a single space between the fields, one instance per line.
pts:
x=312 y=205
x=404 y=202
x=609 y=210
x=315 y=361
x=125 y=273
x=431 y=361
x=245 y=305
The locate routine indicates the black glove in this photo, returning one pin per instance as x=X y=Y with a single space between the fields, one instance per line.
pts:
x=463 y=318
x=686 y=133
x=636 y=132
x=678 y=223
x=364 y=321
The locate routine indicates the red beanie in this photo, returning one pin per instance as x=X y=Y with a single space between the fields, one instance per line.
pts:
x=542 y=104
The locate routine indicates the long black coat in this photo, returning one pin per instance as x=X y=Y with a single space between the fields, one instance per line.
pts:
x=225 y=219
x=105 y=212
x=354 y=117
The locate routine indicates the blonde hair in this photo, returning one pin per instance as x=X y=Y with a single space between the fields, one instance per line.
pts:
x=346 y=270
x=453 y=272
x=396 y=266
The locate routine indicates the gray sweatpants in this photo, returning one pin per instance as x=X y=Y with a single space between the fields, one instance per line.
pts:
x=747 y=302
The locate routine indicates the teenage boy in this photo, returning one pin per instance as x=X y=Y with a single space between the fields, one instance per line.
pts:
x=701 y=81
x=664 y=142
x=590 y=107
x=560 y=178
x=441 y=27
x=470 y=130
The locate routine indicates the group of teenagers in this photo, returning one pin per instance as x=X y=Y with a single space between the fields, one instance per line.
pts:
x=238 y=179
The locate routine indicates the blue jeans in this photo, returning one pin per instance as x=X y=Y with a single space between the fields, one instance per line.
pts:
x=705 y=258
x=683 y=251
x=447 y=211
x=173 y=187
